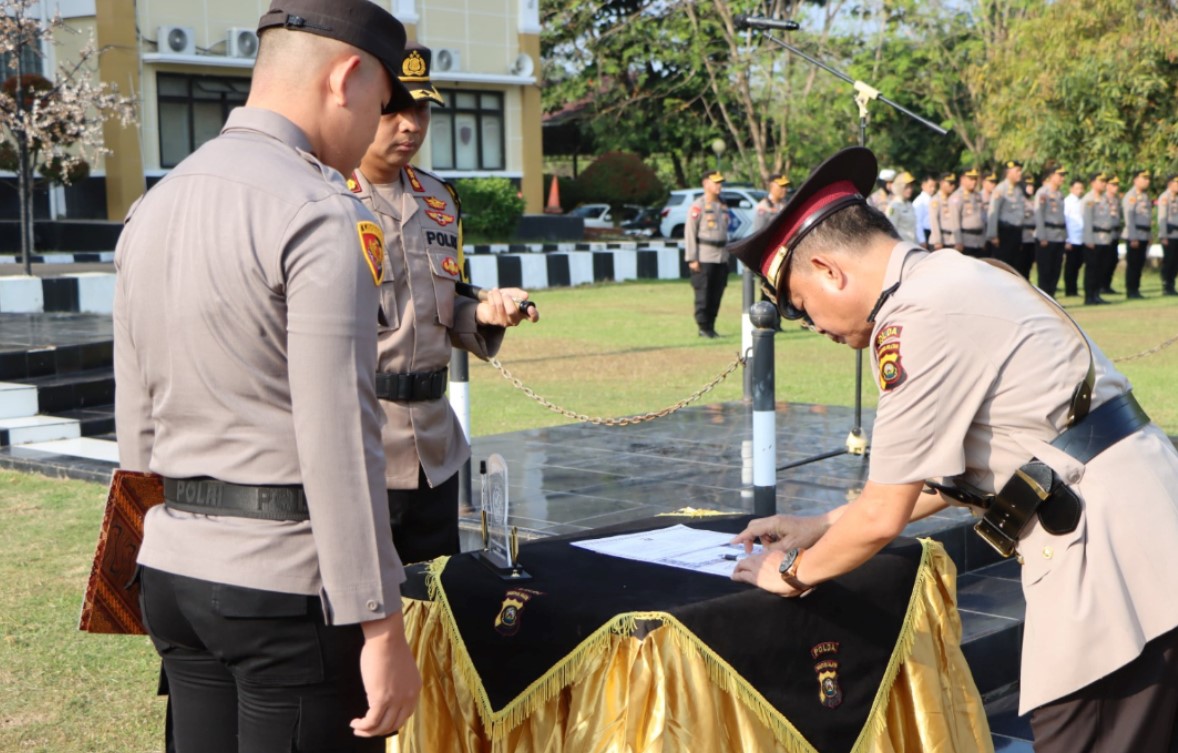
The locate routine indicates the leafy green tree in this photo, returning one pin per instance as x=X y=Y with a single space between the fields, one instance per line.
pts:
x=1091 y=84
x=618 y=178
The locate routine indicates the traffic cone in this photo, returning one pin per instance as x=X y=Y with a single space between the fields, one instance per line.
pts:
x=553 y=199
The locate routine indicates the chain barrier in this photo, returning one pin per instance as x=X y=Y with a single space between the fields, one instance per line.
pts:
x=1149 y=352
x=624 y=420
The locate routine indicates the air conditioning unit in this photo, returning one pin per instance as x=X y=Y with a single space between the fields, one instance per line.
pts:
x=241 y=43
x=177 y=40
x=523 y=65
x=447 y=59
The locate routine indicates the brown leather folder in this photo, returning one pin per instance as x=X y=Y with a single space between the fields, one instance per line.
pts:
x=111 y=604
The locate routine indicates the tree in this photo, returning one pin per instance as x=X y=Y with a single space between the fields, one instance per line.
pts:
x=1091 y=84
x=54 y=125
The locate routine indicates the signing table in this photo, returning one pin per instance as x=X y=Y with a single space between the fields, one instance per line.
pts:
x=603 y=654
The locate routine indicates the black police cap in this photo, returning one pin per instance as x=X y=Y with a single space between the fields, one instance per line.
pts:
x=360 y=23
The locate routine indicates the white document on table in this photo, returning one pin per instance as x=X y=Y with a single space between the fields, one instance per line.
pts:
x=676 y=546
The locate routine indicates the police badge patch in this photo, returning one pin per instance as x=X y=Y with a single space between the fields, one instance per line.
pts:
x=441 y=218
x=507 y=622
x=887 y=352
x=372 y=247
x=825 y=655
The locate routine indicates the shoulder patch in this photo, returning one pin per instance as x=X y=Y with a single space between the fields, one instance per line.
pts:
x=887 y=352
x=695 y=210
x=372 y=248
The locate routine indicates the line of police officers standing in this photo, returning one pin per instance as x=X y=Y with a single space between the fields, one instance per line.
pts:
x=1024 y=229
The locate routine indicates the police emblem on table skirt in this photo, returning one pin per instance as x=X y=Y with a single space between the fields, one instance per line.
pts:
x=511 y=612
x=830 y=693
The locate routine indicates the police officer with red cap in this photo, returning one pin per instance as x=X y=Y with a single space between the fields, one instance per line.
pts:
x=996 y=400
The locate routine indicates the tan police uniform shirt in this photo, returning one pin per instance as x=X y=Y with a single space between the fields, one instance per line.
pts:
x=977 y=385
x=903 y=218
x=1029 y=220
x=1007 y=207
x=967 y=219
x=1050 y=224
x=423 y=319
x=706 y=231
x=940 y=222
x=1098 y=221
x=1168 y=215
x=766 y=211
x=245 y=352
x=1137 y=211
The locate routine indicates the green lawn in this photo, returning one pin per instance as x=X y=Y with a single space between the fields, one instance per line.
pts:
x=609 y=350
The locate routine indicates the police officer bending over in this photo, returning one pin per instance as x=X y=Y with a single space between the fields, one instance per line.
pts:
x=422 y=317
x=1000 y=400
x=244 y=359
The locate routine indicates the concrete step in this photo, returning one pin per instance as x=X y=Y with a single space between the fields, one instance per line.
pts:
x=20 y=431
x=1012 y=733
x=66 y=391
x=17 y=400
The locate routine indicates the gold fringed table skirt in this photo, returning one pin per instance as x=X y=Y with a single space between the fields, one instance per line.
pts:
x=669 y=693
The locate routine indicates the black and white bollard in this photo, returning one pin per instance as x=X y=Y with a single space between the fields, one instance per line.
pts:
x=763 y=316
x=460 y=402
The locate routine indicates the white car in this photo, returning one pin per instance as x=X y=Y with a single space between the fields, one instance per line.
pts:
x=742 y=205
x=599 y=216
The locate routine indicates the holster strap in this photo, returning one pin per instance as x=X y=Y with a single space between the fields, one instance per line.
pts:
x=211 y=497
x=412 y=387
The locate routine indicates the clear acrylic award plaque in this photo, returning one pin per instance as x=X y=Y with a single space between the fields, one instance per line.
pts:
x=500 y=539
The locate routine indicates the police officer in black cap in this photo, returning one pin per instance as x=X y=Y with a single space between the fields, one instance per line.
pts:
x=245 y=366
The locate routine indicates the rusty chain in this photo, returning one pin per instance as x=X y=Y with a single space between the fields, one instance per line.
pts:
x=624 y=420
x=1148 y=352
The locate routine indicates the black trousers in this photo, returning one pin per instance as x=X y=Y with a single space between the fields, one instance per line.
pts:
x=1072 y=261
x=1026 y=259
x=1134 y=263
x=1133 y=709
x=425 y=520
x=1049 y=259
x=1169 y=263
x=1109 y=259
x=1010 y=244
x=709 y=283
x=1093 y=271
x=254 y=671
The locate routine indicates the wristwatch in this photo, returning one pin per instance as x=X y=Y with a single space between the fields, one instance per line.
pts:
x=789 y=568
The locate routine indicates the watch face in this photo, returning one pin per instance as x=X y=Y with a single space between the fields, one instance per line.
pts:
x=788 y=562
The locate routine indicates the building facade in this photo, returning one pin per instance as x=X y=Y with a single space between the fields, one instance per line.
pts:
x=189 y=63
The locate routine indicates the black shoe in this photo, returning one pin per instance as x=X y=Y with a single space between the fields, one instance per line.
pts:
x=1109 y=291
x=1134 y=294
x=1072 y=293
x=1094 y=300
x=708 y=333
x=1170 y=291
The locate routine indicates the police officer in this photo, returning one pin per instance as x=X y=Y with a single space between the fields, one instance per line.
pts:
x=1026 y=257
x=706 y=234
x=1073 y=248
x=1098 y=235
x=1138 y=216
x=940 y=214
x=989 y=182
x=900 y=210
x=1168 y=234
x=1111 y=256
x=1007 y=216
x=1050 y=230
x=769 y=206
x=882 y=195
x=967 y=217
x=244 y=359
x=421 y=318
x=1048 y=449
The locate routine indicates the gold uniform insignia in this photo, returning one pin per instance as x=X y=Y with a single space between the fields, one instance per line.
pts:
x=450 y=266
x=435 y=203
x=441 y=218
x=372 y=247
x=354 y=184
x=414 y=181
x=414 y=64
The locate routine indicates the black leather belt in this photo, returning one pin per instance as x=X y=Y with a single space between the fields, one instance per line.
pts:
x=1144 y=227
x=1036 y=489
x=1054 y=225
x=1102 y=229
x=972 y=232
x=211 y=497
x=413 y=387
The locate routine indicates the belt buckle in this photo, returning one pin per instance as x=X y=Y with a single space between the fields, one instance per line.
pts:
x=994 y=536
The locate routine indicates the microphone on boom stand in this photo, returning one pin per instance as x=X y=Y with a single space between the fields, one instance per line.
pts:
x=743 y=21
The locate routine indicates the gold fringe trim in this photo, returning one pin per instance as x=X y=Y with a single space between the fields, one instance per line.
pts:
x=694 y=512
x=497 y=724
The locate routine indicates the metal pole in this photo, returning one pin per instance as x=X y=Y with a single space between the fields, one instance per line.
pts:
x=764 y=318
x=460 y=402
x=746 y=331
